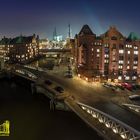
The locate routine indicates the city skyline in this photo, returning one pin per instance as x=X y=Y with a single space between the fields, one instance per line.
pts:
x=41 y=17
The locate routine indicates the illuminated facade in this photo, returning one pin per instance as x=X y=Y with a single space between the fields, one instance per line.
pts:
x=110 y=56
x=20 y=49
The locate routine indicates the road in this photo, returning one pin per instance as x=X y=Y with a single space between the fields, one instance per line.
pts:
x=95 y=96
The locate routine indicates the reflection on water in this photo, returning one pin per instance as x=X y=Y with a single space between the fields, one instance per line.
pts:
x=31 y=118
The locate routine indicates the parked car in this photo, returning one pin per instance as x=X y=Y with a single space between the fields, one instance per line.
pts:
x=134 y=97
x=59 y=89
x=127 y=86
x=48 y=82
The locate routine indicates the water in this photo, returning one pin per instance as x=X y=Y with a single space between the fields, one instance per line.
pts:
x=31 y=118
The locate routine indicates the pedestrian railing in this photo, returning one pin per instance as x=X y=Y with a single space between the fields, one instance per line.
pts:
x=136 y=108
x=118 y=127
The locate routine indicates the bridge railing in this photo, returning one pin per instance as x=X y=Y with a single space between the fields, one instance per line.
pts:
x=25 y=73
x=136 y=108
x=118 y=127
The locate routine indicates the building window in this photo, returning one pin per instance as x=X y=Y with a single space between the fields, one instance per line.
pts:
x=114 y=53
x=136 y=52
x=114 y=46
x=92 y=49
x=128 y=67
x=127 y=78
x=119 y=77
x=120 y=66
x=114 y=58
x=135 y=47
x=113 y=38
x=121 y=51
x=135 y=62
x=98 y=50
x=106 y=56
x=120 y=61
x=121 y=46
x=106 y=61
x=128 y=52
x=120 y=57
x=98 y=55
x=135 y=67
x=134 y=77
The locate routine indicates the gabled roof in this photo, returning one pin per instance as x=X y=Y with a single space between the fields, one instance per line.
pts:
x=112 y=31
x=133 y=36
x=86 y=30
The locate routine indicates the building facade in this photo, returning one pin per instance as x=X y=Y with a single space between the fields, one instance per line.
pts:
x=110 y=56
x=20 y=49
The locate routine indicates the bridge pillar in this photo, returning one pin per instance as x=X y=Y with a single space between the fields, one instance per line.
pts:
x=52 y=105
x=1 y=63
x=33 y=88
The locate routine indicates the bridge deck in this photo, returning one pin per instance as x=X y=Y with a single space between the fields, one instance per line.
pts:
x=93 y=123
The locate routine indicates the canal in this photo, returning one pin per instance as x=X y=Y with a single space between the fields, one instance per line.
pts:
x=31 y=118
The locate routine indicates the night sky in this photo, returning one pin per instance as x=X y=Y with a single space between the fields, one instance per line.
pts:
x=42 y=16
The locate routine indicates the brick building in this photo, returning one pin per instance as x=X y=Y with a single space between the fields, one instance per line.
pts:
x=110 y=56
x=20 y=49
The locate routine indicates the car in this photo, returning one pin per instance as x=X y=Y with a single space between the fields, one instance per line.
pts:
x=59 y=89
x=134 y=97
x=48 y=82
x=68 y=74
x=127 y=86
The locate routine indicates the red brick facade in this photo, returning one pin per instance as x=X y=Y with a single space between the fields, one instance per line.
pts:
x=110 y=56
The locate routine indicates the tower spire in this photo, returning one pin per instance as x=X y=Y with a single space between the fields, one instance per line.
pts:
x=54 y=34
x=69 y=33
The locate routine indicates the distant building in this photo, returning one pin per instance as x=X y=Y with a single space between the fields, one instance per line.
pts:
x=44 y=44
x=110 y=56
x=21 y=49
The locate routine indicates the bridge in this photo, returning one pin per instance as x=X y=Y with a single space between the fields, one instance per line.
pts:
x=54 y=52
x=105 y=124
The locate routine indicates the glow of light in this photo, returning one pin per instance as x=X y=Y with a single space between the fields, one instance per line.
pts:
x=107 y=125
x=79 y=75
x=123 y=136
x=115 y=130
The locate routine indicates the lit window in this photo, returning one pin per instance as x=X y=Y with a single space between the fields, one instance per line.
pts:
x=98 y=55
x=136 y=52
x=127 y=78
x=98 y=50
x=128 y=67
x=120 y=61
x=106 y=61
x=106 y=56
x=114 y=59
x=135 y=67
x=135 y=47
x=121 y=51
x=134 y=77
x=92 y=49
x=128 y=52
x=120 y=67
x=126 y=46
x=135 y=62
x=128 y=62
x=119 y=77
